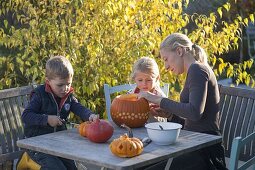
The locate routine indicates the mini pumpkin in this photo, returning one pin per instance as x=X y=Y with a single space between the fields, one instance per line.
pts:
x=82 y=128
x=126 y=145
x=127 y=109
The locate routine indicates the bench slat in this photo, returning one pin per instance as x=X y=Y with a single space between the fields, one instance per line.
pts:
x=12 y=103
x=6 y=128
x=12 y=126
x=10 y=156
x=226 y=120
x=14 y=92
x=17 y=117
x=237 y=117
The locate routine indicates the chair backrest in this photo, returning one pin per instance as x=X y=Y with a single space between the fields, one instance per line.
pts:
x=12 y=103
x=237 y=145
x=237 y=117
x=108 y=90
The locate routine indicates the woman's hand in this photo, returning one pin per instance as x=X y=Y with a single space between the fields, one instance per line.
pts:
x=157 y=111
x=150 y=97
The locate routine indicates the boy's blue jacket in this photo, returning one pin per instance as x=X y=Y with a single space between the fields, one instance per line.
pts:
x=42 y=104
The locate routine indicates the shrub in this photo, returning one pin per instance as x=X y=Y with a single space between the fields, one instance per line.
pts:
x=103 y=39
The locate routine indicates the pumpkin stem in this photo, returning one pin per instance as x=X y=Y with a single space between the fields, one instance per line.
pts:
x=130 y=134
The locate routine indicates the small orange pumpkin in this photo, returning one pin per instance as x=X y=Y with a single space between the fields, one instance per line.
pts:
x=127 y=109
x=126 y=146
x=82 y=128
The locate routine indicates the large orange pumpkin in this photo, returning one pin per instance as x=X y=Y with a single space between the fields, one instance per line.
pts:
x=127 y=109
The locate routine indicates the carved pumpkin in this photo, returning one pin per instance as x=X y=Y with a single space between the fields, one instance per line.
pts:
x=126 y=146
x=127 y=109
x=99 y=131
x=82 y=128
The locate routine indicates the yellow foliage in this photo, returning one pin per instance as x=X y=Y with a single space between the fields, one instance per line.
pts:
x=103 y=39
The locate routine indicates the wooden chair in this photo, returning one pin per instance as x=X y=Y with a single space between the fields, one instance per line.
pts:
x=110 y=90
x=237 y=144
x=12 y=103
x=237 y=117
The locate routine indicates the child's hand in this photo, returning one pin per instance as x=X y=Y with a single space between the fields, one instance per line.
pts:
x=93 y=117
x=54 y=120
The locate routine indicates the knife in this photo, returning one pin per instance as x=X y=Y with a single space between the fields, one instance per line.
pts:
x=146 y=141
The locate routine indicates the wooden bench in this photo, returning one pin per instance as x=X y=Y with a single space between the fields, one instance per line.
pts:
x=237 y=117
x=12 y=103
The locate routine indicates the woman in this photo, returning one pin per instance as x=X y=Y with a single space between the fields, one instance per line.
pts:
x=199 y=101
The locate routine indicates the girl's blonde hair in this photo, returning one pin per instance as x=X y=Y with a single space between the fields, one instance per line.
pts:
x=146 y=65
x=175 y=40
x=59 y=66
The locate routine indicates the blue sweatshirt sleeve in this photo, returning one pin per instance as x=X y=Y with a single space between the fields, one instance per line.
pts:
x=31 y=115
x=78 y=109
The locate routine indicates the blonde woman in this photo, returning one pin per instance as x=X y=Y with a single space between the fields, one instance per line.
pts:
x=199 y=100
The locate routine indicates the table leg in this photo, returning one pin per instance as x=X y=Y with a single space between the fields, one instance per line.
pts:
x=168 y=163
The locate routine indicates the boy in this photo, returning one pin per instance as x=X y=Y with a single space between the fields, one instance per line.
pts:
x=49 y=108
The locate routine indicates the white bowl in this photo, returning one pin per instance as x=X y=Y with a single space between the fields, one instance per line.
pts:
x=167 y=136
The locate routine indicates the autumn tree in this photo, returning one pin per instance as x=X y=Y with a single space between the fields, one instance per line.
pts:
x=103 y=39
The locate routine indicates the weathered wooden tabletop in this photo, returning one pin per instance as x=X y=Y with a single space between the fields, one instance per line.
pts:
x=69 y=144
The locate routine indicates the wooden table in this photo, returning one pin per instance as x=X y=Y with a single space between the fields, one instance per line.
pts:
x=69 y=144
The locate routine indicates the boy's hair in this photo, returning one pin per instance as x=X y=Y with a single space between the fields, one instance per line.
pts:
x=145 y=65
x=59 y=66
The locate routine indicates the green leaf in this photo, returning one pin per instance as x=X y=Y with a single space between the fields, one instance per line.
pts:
x=219 y=10
x=247 y=80
x=221 y=60
x=239 y=18
x=251 y=17
x=5 y=23
x=221 y=67
x=246 y=21
x=249 y=63
x=244 y=65
x=227 y=6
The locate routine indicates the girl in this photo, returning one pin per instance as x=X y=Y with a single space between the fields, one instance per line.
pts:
x=145 y=74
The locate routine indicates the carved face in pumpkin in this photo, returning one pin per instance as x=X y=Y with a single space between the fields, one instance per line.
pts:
x=126 y=146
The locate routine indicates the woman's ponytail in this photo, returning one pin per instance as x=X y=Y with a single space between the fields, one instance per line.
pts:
x=199 y=54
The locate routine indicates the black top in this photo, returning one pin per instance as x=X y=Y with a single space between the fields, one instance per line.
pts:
x=199 y=100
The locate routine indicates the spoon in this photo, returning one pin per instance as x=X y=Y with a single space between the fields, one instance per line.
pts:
x=160 y=127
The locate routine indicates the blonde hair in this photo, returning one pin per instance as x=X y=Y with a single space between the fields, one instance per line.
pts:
x=59 y=66
x=175 y=40
x=146 y=65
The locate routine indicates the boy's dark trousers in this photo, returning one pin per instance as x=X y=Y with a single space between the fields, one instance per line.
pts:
x=49 y=162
